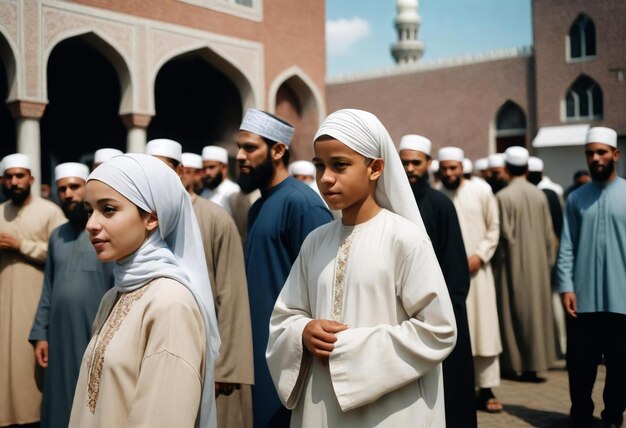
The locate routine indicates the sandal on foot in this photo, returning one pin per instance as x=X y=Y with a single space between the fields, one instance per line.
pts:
x=490 y=405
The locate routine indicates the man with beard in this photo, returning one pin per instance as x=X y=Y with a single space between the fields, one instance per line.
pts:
x=442 y=226
x=498 y=174
x=591 y=271
x=480 y=225
x=217 y=187
x=522 y=273
x=278 y=224
x=25 y=226
x=74 y=283
x=234 y=373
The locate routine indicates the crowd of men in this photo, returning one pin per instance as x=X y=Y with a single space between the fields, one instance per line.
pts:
x=497 y=230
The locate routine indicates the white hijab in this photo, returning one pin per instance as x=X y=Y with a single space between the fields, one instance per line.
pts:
x=366 y=135
x=174 y=251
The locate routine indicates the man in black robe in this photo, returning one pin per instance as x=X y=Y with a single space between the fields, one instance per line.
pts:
x=442 y=226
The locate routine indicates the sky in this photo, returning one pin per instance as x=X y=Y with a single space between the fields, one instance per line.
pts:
x=359 y=33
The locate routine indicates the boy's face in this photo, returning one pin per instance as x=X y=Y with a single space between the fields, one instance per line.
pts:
x=344 y=177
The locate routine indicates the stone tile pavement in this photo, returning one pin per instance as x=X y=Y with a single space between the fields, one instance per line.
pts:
x=538 y=405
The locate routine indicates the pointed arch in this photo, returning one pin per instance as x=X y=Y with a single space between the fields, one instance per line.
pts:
x=582 y=38
x=108 y=49
x=510 y=125
x=584 y=100
x=7 y=57
x=8 y=92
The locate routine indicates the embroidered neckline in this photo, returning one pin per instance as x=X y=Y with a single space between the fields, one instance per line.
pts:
x=340 y=274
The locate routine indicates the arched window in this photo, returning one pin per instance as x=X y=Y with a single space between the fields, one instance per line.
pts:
x=584 y=99
x=510 y=126
x=582 y=38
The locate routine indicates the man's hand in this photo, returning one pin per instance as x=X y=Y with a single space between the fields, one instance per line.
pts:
x=222 y=388
x=41 y=353
x=319 y=336
x=474 y=262
x=9 y=242
x=569 y=303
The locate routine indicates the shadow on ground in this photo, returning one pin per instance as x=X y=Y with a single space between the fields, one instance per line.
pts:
x=542 y=418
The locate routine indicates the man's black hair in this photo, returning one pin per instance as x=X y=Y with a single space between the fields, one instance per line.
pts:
x=516 y=170
x=270 y=143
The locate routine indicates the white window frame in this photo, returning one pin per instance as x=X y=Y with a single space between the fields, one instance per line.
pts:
x=583 y=44
x=231 y=7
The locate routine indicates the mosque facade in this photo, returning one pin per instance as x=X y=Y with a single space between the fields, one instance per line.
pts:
x=542 y=97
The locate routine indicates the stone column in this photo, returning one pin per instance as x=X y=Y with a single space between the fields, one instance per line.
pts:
x=136 y=124
x=27 y=115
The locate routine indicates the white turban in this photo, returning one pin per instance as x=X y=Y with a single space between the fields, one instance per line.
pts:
x=71 y=169
x=174 y=251
x=16 y=160
x=468 y=167
x=416 y=143
x=516 y=155
x=166 y=148
x=215 y=153
x=363 y=133
x=268 y=126
x=481 y=164
x=302 y=167
x=192 y=160
x=601 y=134
x=496 y=160
x=451 y=154
x=535 y=164
x=103 y=155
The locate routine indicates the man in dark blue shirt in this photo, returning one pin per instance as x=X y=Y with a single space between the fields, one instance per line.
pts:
x=278 y=222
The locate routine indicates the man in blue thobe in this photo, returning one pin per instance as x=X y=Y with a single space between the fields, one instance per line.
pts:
x=592 y=282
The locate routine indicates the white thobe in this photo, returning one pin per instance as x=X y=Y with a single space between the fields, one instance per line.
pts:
x=221 y=194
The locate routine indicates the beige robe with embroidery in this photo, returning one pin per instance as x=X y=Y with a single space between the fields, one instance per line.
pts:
x=477 y=210
x=21 y=282
x=382 y=278
x=224 y=257
x=144 y=366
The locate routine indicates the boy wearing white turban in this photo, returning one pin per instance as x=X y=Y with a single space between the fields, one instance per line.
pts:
x=364 y=320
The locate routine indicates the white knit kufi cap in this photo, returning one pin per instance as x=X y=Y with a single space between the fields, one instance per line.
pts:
x=71 y=169
x=268 y=126
x=192 y=160
x=468 y=167
x=16 y=160
x=481 y=164
x=535 y=164
x=166 y=148
x=103 y=155
x=434 y=166
x=517 y=156
x=451 y=154
x=496 y=160
x=215 y=153
x=603 y=135
x=415 y=142
x=302 y=167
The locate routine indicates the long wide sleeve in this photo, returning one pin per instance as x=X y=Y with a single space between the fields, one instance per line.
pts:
x=567 y=248
x=487 y=246
x=39 y=331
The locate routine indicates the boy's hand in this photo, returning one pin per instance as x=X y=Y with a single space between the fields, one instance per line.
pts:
x=319 y=335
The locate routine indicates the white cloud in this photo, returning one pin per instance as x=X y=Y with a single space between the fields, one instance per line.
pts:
x=342 y=34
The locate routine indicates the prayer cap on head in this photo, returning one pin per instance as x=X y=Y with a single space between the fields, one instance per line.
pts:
x=603 y=135
x=166 y=148
x=535 y=164
x=496 y=160
x=517 y=156
x=103 y=155
x=434 y=166
x=268 y=126
x=451 y=154
x=71 y=169
x=16 y=160
x=215 y=153
x=192 y=160
x=415 y=142
x=481 y=164
x=302 y=167
x=468 y=167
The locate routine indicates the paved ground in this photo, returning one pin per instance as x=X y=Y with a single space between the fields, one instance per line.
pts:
x=538 y=405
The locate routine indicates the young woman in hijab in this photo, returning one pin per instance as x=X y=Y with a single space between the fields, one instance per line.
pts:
x=150 y=360
x=364 y=320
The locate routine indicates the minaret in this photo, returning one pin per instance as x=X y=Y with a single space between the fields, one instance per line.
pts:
x=407 y=50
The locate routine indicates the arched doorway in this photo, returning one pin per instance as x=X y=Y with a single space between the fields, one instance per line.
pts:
x=196 y=103
x=510 y=127
x=296 y=103
x=84 y=94
x=8 y=141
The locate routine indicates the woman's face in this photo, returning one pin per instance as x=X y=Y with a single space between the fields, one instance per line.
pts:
x=116 y=228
